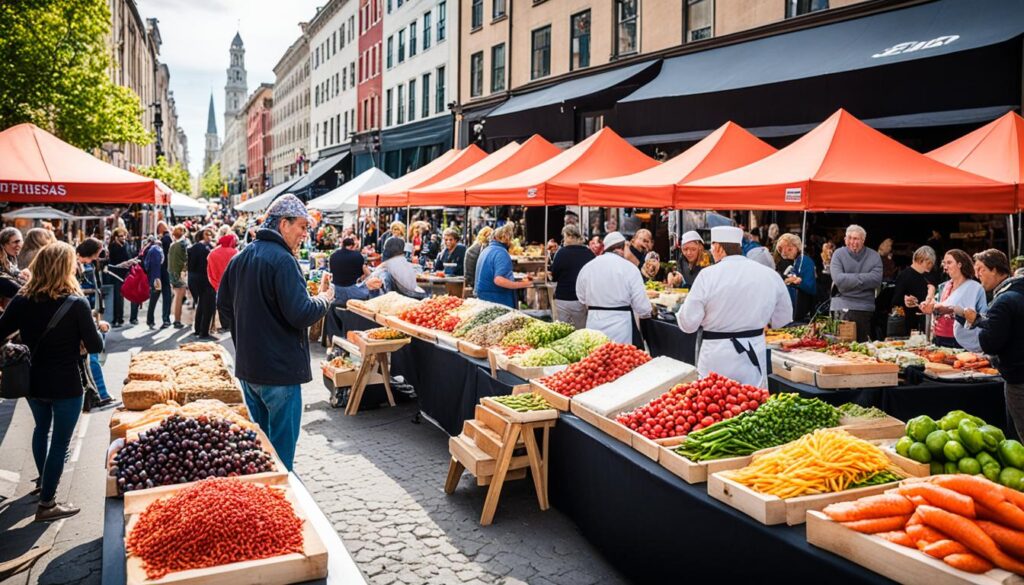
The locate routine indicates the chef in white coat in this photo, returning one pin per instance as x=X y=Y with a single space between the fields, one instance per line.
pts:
x=613 y=290
x=732 y=301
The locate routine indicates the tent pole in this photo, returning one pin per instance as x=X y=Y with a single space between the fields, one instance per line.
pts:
x=544 y=242
x=803 y=234
x=1011 y=233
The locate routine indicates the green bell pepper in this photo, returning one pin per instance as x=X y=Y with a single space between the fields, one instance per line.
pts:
x=971 y=436
x=919 y=427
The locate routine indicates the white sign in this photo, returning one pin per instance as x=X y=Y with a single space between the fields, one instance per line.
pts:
x=912 y=46
x=794 y=194
x=531 y=193
x=32 y=189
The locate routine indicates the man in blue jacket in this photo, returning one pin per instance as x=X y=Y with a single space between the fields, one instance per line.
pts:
x=152 y=263
x=263 y=301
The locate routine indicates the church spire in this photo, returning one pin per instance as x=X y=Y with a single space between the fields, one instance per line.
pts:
x=211 y=118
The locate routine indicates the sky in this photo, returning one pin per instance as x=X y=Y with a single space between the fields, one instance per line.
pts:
x=196 y=36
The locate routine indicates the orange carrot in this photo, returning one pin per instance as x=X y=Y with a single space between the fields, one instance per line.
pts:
x=897 y=537
x=875 y=525
x=1014 y=496
x=941 y=497
x=985 y=513
x=878 y=506
x=968 y=562
x=982 y=490
x=915 y=518
x=943 y=548
x=1011 y=541
x=922 y=533
x=1009 y=514
x=969 y=534
x=918 y=501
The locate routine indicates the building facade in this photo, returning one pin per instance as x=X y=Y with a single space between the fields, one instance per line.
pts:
x=233 y=149
x=369 y=85
x=421 y=44
x=334 y=54
x=290 y=112
x=259 y=137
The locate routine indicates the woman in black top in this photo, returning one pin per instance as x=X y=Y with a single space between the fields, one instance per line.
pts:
x=199 y=284
x=914 y=286
x=565 y=267
x=55 y=391
x=117 y=258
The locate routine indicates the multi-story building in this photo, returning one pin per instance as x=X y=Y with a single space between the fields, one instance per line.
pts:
x=369 y=85
x=233 y=150
x=291 y=112
x=420 y=54
x=182 y=140
x=259 y=138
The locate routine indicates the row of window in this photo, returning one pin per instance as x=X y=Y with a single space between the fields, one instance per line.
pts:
x=330 y=46
x=413 y=46
x=404 y=108
x=334 y=130
x=332 y=86
x=296 y=132
x=369 y=15
x=476 y=20
x=476 y=71
x=285 y=108
x=369 y=63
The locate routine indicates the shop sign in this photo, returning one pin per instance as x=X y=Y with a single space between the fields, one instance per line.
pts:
x=912 y=46
x=8 y=188
x=794 y=194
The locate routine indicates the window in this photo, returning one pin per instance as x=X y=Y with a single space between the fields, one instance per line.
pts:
x=540 y=63
x=344 y=135
x=426 y=30
x=343 y=35
x=344 y=78
x=439 y=93
x=412 y=39
x=334 y=41
x=442 y=18
x=316 y=59
x=579 y=48
x=700 y=19
x=352 y=74
x=425 y=99
x=391 y=47
x=352 y=28
x=401 y=104
x=401 y=45
x=316 y=99
x=497 y=9
x=498 y=67
x=625 y=27
x=799 y=7
x=337 y=124
x=476 y=74
x=477 y=18
x=389 y=9
x=387 y=98
x=412 y=100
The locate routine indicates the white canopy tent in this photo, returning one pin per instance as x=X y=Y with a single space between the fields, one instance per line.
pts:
x=184 y=206
x=346 y=197
x=261 y=202
x=41 y=212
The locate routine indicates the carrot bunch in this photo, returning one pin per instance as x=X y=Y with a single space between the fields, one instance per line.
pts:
x=969 y=522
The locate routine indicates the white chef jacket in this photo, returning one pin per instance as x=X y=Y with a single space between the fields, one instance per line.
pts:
x=736 y=294
x=611 y=281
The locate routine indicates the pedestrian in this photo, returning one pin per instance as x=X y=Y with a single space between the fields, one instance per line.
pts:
x=961 y=290
x=495 y=281
x=799 y=275
x=163 y=234
x=565 y=269
x=11 y=243
x=396 y=272
x=199 y=283
x=35 y=240
x=1001 y=328
x=55 y=322
x=177 y=260
x=453 y=253
x=152 y=264
x=119 y=263
x=483 y=237
x=912 y=287
x=889 y=268
x=217 y=261
x=264 y=302
x=87 y=253
x=856 y=272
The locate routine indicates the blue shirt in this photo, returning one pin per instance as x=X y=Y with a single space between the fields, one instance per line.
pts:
x=804 y=268
x=494 y=261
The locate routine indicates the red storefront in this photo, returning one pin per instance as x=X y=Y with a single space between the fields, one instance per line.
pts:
x=258 y=138
x=369 y=82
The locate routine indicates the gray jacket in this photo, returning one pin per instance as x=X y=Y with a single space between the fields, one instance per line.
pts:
x=856 y=276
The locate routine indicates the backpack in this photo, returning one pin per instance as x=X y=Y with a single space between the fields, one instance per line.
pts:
x=135 y=287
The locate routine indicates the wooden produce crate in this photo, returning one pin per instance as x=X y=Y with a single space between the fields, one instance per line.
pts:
x=367 y=346
x=831 y=372
x=556 y=400
x=516 y=416
x=472 y=349
x=899 y=563
x=611 y=427
x=309 y=565
x=692 y=471
x=416 y=331
x=502 y=362
x=346 y=377
x=445 y=339
x=361 y=309
x=871 y=429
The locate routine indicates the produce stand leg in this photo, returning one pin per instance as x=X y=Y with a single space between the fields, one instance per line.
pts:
x=455 y=470
x=494 y=491
x=385 y=372
x=544 y=456
x=355 y=395
x=536 y=467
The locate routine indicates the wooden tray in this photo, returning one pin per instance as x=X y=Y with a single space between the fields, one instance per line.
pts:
x=472 y=349
x=516 y=416
x=381 y=319
x=793 y=372
x=611 y=427
x=342 y=378
x=871 y=429
x=414 y=330
x=822 y=363
x=448 y=340
x=899 y=563
x=369 y=346
x=310 y=565
x=358 y=308
x=692 y=471
x=556 y=400
x=502 y=362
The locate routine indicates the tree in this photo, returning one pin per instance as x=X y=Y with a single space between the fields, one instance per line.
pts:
x=54 y=72
x=212 y=185
x=176 y=177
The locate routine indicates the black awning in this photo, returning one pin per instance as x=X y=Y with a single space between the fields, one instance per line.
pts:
x=318 y=170
x=430 y=132
x=944 y=55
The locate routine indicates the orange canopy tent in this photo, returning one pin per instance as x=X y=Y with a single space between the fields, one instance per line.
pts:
x=727 y=148
x=396 y=193
x=996 y=151
x=38 y=167
x=511 y=159
x=845 y=165
x=557 y=180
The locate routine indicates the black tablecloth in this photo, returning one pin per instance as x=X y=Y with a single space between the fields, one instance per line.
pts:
x=664 y=338
x=654 y=527
x=448 y=384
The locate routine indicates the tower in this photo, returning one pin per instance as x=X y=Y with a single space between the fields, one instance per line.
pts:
x=237 y=88
x=212 y=144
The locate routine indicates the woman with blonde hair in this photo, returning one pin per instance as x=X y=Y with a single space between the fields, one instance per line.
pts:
x=473 y=253
x=35 y=240
x=495 y=281
x=55 y=322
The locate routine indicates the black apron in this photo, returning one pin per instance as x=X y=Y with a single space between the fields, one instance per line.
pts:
x=735 y=337
x=638 y=338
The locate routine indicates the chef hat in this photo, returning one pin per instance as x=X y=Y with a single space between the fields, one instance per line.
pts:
x=691 y=236
x=726 y=235
x=612 y=239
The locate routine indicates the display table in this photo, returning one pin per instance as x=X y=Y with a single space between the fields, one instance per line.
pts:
x=341 y=569
x=664 y=338
x=654 y=527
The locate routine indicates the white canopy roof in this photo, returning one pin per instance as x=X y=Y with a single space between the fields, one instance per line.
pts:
x=41 y=212
x=263 y=200
x=184 y=206
x=346 y=197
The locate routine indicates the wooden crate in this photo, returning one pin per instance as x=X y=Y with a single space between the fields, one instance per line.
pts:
x=360 y=309
x=870 y=429
x=802 y=374
x=346 y=377
x=369 y=346
x=416 y=331
x=556 y=400
x=899 y=563
x=824 y=363
x=476 y=461
x=694 y=471
x=309 y=565
x=611 y=427
x=445 y=339
x=516 y=416
x=472 y=349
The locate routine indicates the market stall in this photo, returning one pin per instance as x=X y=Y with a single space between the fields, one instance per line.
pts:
x=346 y=197
x=396 y=193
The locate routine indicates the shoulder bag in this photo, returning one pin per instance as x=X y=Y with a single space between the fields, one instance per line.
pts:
x=16 y=359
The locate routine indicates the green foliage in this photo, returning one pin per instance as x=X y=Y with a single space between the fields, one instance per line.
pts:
x=176 y=177
x=54 y=72
x=211 y=185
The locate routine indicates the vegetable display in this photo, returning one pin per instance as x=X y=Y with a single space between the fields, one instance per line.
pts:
x=492 y=333
x=605 y=364
x=781 y=419
x=852 y=410
x=391 y=303
x=538 y=334
x=693 y=406
x=482 y=318
x=962 y=443
x=969 y=522
x=433 y=313
x=214 y=522
x=523 y=402
x=825 y=461
x=540 y=357
x=578 y=344
x=383 y=333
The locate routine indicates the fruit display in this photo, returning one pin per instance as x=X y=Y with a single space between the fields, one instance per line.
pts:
x=433 y=313
x=342 y=363
x=384 y=333
x=481 y=318
x=523 y=402
x=540 y=357
x=538 y=334
x=391 y=303
x=781 y=419
x=961 y=443
x=969 y=522
x=579 y=344
x=606 y=363
x=693 y=406
x=209 y=408
x=183 y=375
x=851 y=410
x=517 y=350
x=492 y=333
x=214 y=522
x=654 y=285
x=181 y=450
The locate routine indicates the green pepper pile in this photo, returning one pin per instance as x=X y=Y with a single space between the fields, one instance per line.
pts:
x=523 y=402
x=857 y=411
x=783 y=418
x=962 y=443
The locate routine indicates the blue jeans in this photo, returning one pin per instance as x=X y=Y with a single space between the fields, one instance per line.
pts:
x=97 y=375
x=278 y=411
x=62 y=414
